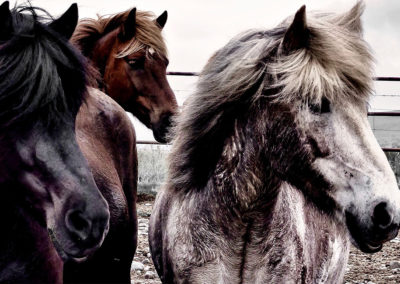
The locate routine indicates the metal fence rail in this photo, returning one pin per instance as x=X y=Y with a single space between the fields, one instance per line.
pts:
x=144 y=142
x=392 y=79
x=178 y=73
x=384 y=113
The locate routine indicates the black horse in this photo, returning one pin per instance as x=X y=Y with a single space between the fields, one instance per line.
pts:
x=51 y=209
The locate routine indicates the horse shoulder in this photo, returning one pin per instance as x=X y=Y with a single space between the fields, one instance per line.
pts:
x=102 y=118
x=158 y=235
x=180 y=256
x=108 y=141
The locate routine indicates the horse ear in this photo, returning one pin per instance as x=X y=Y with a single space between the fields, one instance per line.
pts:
x=162 y=19
x=66 y=24
x=128 y=28
x=352 y=19
x=296 y=37
x=5 y=21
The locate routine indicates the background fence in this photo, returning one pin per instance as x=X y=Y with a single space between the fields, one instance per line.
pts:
x=152 y=155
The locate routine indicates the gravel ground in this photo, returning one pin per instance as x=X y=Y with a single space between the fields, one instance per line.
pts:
x=382 y=267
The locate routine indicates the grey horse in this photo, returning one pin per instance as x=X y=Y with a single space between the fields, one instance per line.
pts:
x=274 y=169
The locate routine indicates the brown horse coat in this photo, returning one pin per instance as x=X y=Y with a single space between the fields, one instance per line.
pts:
x=107 y=140
x=130 y=54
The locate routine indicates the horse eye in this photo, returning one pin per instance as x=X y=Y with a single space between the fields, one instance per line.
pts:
x=324 y=107
x=136 y=63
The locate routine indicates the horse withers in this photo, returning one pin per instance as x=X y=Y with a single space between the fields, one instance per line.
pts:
x=51 y=208
x=274 y=169
x=130 y=53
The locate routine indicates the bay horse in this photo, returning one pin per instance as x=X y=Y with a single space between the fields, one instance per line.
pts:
x=68 y=159
x=130 y=53
x=274 y=169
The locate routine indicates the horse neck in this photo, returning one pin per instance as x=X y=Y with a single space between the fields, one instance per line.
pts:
x=26 y=252
x=242 y=175
x=264 y=150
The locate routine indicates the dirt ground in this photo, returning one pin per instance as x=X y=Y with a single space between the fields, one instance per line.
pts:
x=382 y=267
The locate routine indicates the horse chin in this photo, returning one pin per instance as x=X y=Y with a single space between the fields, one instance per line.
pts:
x=369 y=248
x=366 y=247
x=71 y=253
x=161 y=134
x=162 y=128
x=358 y=236
x=161 y=138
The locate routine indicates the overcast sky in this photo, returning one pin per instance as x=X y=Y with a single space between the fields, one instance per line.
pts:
x=195 y=29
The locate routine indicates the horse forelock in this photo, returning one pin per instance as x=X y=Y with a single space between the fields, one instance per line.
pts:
x=41 y=76
x=336 y=64
x=148 y=34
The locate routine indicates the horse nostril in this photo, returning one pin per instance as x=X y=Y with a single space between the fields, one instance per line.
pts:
x=100 y=226
x=78 y=225
x=381 y=216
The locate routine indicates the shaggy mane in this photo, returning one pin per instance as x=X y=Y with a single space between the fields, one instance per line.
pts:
x=42 y=76
x=336 y=64
x=147 y=35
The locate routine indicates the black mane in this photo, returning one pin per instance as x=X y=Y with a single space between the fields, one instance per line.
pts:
x=42 y=77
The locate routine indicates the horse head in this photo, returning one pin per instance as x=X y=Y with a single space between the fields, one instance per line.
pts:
x=324 y=71
x=42 y=85
x=298 y=94
x=132 y=58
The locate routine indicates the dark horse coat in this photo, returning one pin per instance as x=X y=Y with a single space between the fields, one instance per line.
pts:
x=68 y=164
x=107 y=140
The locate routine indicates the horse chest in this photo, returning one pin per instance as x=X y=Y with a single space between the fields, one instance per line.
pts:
x=291 y=245
x=283 y=258
x=299 y=246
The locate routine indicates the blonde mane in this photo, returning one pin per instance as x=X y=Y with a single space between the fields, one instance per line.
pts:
x=147 y=35
x=336 y=65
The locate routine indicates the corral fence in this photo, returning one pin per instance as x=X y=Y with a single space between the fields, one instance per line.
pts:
x=153 y=155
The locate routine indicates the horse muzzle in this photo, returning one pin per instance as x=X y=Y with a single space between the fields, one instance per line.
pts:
x=80 y=234
x=162 y=127
x=87 y=232
x=370 y=237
